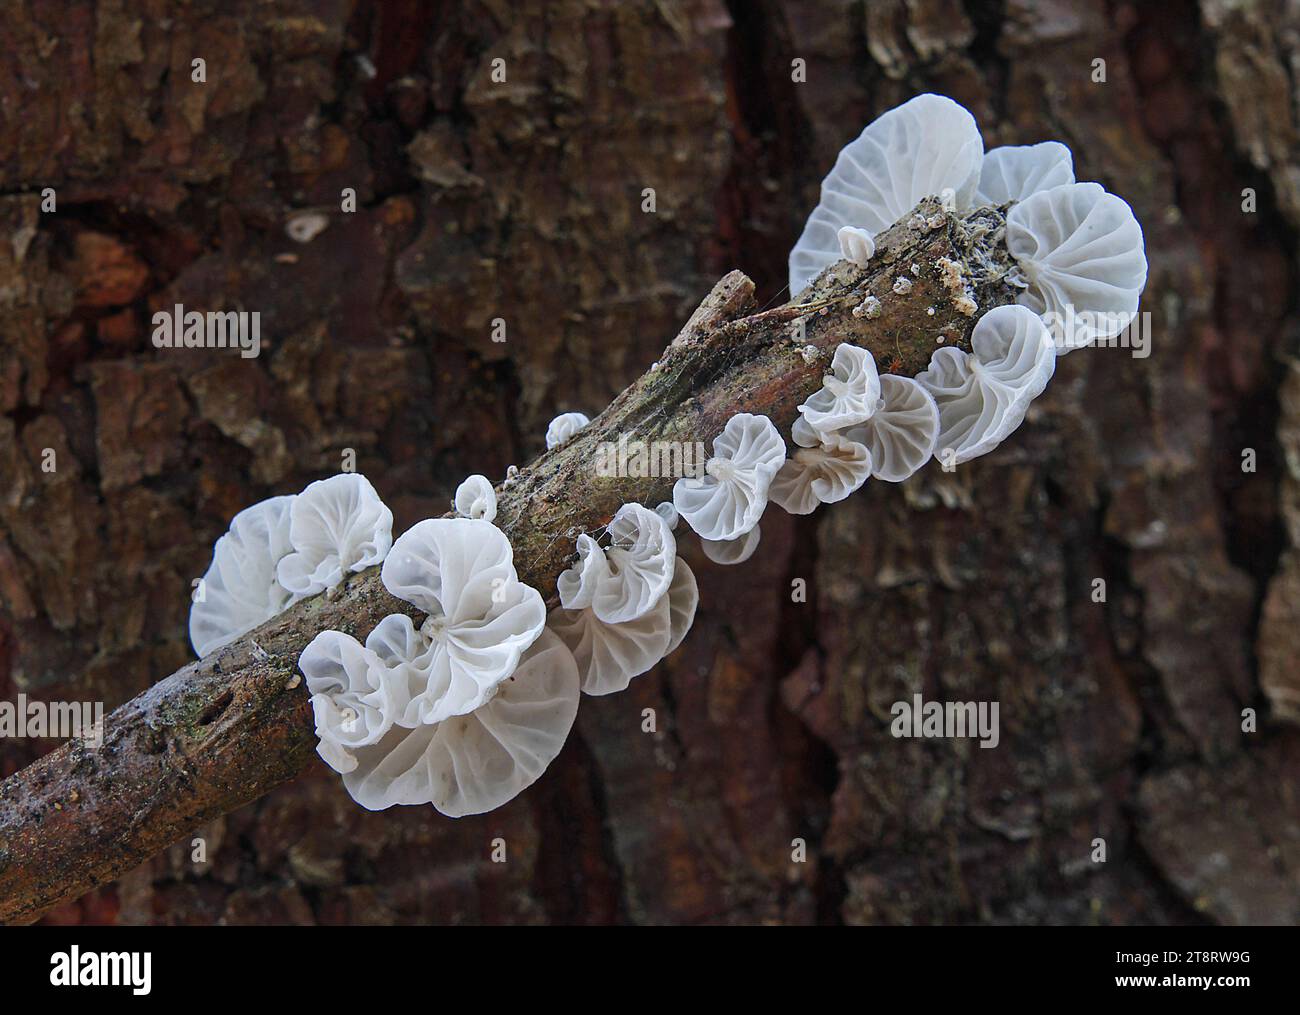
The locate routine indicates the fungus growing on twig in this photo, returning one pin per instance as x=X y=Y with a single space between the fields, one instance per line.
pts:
x=336 y=526
x=728 y=500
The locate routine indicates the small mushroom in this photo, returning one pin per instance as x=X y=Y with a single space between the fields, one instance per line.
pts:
x=475 y=498
x=822 y=475
x=849 y=393
x=1082 y=254
x=856 y=245
x=609 y=656
x=624 y=581
x=353 y=704
x=1014 y=172
x=902 y=434
x=481 y=617
x=927 y=147
x=336 y=525
x=472 y=763
x=563 y=427
x=732 y=551
x=668 y=513
x=983 y=395
x=240 y=590
x=728 y=500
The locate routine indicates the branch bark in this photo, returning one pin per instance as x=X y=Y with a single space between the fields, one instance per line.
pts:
x=224 y=730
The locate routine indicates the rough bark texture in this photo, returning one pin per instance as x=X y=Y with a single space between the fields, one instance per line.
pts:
x=523 y=201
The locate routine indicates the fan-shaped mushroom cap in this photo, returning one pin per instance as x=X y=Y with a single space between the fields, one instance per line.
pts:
x=821 y=475
x=1013 y=172
x=1081 y=251
x=927 y=147
x=624 y=581
x=983 y=396
x=577 y=585
x=729 y=499
x=240 y=590
x=903 y=432
x=481 y=616
x=336 y=525
x=732 y=551
x=683 y=598
x=856 y=245
x=563 y=427
x=472 y=763
x=641 y=555
x=353 y=703
x=668 y=513
x=610 y=655
x=804 y=435
x=475 y=498
x=849 y=394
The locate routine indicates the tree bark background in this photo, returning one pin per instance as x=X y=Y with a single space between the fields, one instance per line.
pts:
x=522 y=201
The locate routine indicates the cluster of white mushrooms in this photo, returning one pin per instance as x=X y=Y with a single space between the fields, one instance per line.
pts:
x=467 y=709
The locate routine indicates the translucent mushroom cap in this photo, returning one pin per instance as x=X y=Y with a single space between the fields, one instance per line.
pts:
x=822 y=475
x=471 y=763
x=240 y=591
x=728 y=500
x=475 y=498
x=733 y=551
x=927 y=147
x=563 y=427
x=856 y=245
x=903 y=433
x=336 y=525
x=983 y=396
x=577 y=585
x=353 y=704
x=642 y=554
x=624 y=581
x=1082 y=253
x=609 y=656
x=481 y=617
x=1013 y=172
x=849 y=394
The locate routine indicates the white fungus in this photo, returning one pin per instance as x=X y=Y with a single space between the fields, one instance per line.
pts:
x=856 y=245
x=563 y=427
x=903 y=432
x=481 y=617
x=732 y=551
x=577 y=585
x=353 y=703
x=927 y=147
x=624 y=581
x=1013 y=172
x=1081 y=251
x=668 y=513
x=849 y=393
x=336 y=525
x=240 y=591
x=475 y=498
x=728 y=500
x=822 y=475
x=610 y=655
x=982 y=396
x=472 y=763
